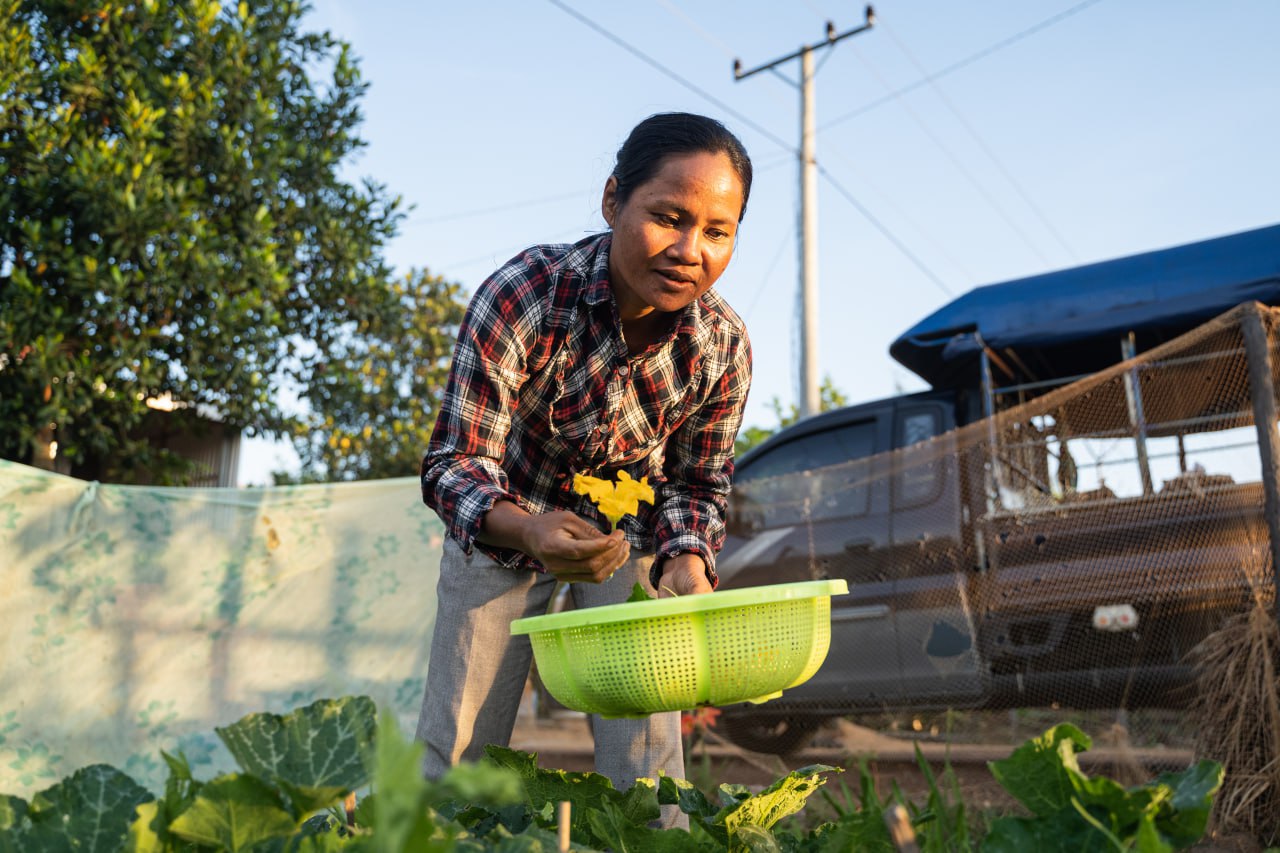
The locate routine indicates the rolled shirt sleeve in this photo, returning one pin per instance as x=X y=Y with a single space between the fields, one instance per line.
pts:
x=462 y=472
x=690 y=514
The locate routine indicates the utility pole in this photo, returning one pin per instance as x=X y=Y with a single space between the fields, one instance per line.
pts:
x=808 y=224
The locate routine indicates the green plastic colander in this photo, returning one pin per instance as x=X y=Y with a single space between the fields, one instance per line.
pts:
x=671 y=654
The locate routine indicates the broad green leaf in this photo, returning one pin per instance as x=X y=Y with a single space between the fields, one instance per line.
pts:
x=781 y=799
x=755 y=839
x=1193 y=791
x=316 y=753
x=683 y=793
x=13 y=810
x=234 y=813
x=15 y=823
x=1064 y=832
x=861 y=830
x=639 y=804
x=612 y=829
x=91 y=811
x=143 y=834
x=1123 y=806
x=480 y=821
x=151 y=830
x=1039 y=774
x=484 y=784
x=1148 y=839
x=584 y=791
x=397 y=812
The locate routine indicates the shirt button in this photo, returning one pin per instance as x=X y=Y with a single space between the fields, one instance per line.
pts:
x=624 y=371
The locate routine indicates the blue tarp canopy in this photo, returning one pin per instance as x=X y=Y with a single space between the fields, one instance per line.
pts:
x=1070 y=322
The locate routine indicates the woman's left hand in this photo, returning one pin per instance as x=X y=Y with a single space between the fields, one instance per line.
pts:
x=683 y=574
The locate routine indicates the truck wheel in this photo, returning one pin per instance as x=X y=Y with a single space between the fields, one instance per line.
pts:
x=775 y=735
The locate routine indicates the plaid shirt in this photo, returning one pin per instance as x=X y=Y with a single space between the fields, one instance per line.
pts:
x=543 y=387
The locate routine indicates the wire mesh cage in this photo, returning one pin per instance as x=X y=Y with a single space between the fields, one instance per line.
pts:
x=1063 y=554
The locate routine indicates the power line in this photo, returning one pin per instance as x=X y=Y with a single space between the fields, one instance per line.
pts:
x=492 y=256
x=653 y=63
x=999 y=164
x=956 y=66
x=887 y=198
x=676 y=12
x=768 y=273
x=503 y=208
x=848 y=196
x=960 y=167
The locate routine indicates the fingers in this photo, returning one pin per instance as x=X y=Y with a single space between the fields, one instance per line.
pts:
x=593 y=561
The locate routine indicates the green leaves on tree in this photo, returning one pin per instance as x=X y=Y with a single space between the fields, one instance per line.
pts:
x=177 y=227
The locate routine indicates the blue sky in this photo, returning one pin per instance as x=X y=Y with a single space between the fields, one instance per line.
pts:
x=968 y=143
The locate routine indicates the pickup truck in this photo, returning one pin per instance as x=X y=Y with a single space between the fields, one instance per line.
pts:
x=1074 y=504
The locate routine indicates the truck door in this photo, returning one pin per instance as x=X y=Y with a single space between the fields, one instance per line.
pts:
x=819 y=506
x=936 y=637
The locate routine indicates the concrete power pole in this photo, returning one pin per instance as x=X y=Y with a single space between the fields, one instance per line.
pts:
x=808 y=225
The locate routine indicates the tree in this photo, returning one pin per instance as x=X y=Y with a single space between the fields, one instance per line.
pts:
x=173 y=223
x=371 y=409
x=829 y=397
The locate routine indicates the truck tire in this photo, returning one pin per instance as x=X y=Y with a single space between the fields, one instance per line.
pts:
x=769 y=734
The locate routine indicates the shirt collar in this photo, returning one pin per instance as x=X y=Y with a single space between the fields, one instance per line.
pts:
x=591 y=260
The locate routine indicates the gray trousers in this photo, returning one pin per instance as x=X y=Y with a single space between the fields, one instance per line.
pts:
x=478 y=671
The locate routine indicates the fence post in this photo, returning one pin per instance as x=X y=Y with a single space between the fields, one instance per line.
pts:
x=1257 y=350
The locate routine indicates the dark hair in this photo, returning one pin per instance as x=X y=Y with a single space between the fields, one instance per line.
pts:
x=664 y=134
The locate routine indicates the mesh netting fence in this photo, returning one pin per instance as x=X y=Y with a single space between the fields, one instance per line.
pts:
x=1055 y=560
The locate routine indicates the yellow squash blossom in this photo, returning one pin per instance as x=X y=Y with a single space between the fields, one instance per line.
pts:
x=615 y=500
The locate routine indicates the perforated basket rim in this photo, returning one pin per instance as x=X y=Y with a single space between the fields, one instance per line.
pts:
x=632 y=611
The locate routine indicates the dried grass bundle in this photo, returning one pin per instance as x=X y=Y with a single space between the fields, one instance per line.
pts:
x=1237 y=709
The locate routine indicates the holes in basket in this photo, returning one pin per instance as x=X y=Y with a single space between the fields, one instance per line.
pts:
x=760 y=649
x=623 y=667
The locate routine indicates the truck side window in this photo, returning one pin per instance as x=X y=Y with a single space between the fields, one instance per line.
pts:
x=820 y=475
x=915 y=483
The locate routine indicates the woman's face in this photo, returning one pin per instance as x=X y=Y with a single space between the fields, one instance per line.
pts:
x=674 y=235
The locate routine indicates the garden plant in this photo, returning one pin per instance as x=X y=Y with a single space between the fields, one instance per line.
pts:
x=298 y=772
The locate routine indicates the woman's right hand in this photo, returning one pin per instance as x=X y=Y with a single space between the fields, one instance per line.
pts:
x=572 y=549
x=569 y=546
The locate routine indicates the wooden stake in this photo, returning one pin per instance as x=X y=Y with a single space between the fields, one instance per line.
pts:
x=562 y=819
x=899 y=824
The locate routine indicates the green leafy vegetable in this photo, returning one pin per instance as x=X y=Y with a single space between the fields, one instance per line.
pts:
x=90 y=810
x=639 y=593
x=1073 y=811
x=235 y=812
x=298 y=765
x=315 y=754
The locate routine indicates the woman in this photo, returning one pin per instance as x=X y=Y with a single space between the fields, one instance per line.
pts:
x=609 y=355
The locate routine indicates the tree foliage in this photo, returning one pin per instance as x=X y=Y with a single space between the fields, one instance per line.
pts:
x=174 y=222
x=829 y=397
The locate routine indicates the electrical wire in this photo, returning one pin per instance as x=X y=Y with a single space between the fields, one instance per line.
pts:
x=653 y=63
x=879 y=226
x=887 y=199
x=503 y=208
x=956 y=66
x=679 y=14
x=959 y=166
x=497 y=257
x=991 y=155
x=768 y=273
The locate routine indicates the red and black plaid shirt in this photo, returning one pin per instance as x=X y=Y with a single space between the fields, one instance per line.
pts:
x=543 y=387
